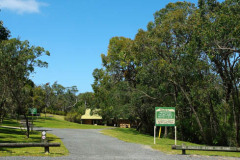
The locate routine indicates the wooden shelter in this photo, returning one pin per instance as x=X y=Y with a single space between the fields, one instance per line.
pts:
x=91 y=117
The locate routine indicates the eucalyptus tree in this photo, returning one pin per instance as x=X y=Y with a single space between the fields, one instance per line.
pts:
x=102 y=87
x=4 y=32
x=187 y=58
x=18 y=59
x=70 y=98
x=220 y=41
x=59 y=99
x=173 y=70
x=119 y=61
x=39 y=98
x=4 y=35
x=167 y=69
x=112 y=86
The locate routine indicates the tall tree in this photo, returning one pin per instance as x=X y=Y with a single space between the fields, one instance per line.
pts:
x=18 y=60
x=4 y=32
x=187 y=58
x=220 y=41
x=4 y=35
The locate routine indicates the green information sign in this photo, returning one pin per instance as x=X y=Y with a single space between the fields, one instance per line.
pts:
x=33 y=110
x=164 y=116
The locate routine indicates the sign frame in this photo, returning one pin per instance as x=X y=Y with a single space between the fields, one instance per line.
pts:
x=171 y=115
x=167 y=113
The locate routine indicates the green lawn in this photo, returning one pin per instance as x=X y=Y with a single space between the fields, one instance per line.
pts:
x=56 y=121
x=9 y=135
x=10 y=122
x=163 y=144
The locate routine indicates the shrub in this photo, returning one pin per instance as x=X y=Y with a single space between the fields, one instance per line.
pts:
x=73 y=117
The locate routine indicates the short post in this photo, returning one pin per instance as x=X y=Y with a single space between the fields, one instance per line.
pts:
x=32 y=120
x=46 y=149
x=183 y=152
x=44 y=138
x=31 y=124
x=183 y=149
x=159 y=134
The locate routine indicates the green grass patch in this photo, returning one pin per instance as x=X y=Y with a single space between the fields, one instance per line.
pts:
x=52 y=121
x=55 y=121
x=162 y=144
x=10 y=122
x=8 y=135
x=59 y=117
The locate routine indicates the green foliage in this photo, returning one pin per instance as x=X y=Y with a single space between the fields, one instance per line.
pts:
x=73 y=117
x=18 y=60
x=55 y=98
x=4 y=32
x=189 y=59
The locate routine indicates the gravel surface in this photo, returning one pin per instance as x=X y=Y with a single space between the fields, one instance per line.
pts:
x=92 y=145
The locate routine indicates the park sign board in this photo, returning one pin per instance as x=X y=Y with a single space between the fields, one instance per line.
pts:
x=33 y=110
x=164 y=116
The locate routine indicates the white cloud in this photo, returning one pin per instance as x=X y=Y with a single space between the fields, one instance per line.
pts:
x=22 y=6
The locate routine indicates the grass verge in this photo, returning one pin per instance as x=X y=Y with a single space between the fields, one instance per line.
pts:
x=10 y=122
x=9 y=135
x=163 y=144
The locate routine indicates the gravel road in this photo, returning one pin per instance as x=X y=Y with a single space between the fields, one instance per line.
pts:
x=92 y=145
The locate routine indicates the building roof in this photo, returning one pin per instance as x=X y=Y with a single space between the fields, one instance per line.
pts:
x=87 y=115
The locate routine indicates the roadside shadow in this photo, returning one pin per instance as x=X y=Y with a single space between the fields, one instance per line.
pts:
x=52 y=139
x=5 y=150
x=10 y=131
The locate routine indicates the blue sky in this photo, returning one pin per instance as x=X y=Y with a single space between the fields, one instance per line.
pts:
x=75 y=32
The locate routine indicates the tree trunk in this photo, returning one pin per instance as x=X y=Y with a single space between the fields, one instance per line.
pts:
x=139 y=126
x=213 y=116
x=165 y=132
x=238 y=114
x=2 y=113
x=194 y=111
x=27 y=125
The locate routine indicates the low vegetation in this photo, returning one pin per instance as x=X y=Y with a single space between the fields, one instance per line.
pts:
x=73 y=117
x=10 y=135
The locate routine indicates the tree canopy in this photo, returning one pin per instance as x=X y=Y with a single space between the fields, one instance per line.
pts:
x=18 y=60
x=188 y=58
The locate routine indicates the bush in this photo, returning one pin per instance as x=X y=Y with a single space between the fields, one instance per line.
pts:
x=60 y=113
x=73 y=117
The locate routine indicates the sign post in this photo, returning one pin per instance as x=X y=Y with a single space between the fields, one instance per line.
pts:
x=154 y=135
x=175 y=135
x=32 y=111
x=165 y=116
